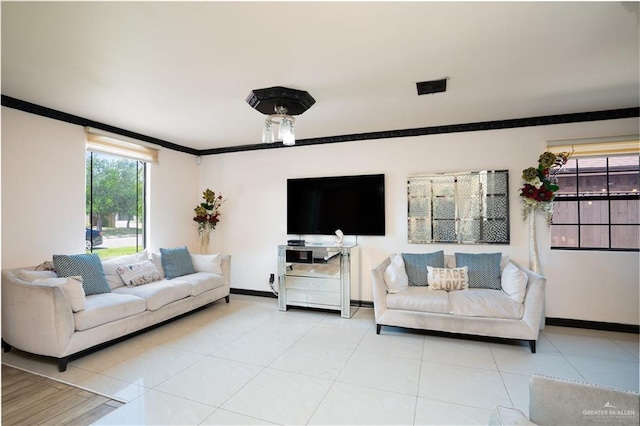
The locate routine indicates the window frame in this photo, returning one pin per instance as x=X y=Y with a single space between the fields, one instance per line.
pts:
x=609 y=198
x=145 y=177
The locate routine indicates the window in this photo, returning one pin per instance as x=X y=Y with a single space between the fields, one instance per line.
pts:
x=597 y=206
x=115 y=196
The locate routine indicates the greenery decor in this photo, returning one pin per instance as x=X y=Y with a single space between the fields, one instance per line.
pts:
x=207 y=216
x=541 y=184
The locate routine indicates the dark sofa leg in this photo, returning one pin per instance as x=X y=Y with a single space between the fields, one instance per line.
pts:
x=5 y=346
x=378 y=328
x=532 y=343
x=227 y=299
x=62 y=364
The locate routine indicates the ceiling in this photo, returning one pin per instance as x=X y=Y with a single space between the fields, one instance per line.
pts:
x=181 y=71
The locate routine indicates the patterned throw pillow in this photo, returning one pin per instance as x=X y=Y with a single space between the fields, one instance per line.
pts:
x=138 y=273
x=416 y=265
x=88 y=266
x=484 y=269
x=448 y=279
x=176 y=262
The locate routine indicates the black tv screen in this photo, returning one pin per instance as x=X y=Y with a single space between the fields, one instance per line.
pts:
x=353 y=204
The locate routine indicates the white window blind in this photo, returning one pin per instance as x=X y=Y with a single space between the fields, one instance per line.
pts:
x=110 y=145
x=601 y=147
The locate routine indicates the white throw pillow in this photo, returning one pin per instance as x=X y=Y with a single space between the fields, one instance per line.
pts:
x=71 y=287
x=156 y=259
x=514 y=282
x=448 y=279
x=395 y=276
x=139 y=273
x=30 y=276
x=207 y=263
x=110 y=267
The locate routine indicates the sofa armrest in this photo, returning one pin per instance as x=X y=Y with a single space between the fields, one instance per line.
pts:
x=379 y=288
x=534 y=300
x=35 y=318
x=566 y=402
x=226 y=269
x=509 y=416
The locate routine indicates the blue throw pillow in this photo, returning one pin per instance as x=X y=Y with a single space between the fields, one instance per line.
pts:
x=88 y=266
x=176 y=262
x=416 y=265
x=483 y=269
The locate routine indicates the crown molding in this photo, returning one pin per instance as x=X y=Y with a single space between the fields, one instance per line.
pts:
x=40 y=110
x=578 y=117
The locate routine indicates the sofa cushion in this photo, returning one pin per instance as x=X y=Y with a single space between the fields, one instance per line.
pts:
x=482 y=302
x=107 y=307
x=138 y=273
x=158 y=293
x=176 y=262
x=450 y=261
x=71 y=287
x=421 y=299
x=395 y=276
x=448 y=279
x=201 y=282
x=110 y=265
x=207 y=263
x=484 y=269
x=416 y=265
x=88 y=266
x=514 y=282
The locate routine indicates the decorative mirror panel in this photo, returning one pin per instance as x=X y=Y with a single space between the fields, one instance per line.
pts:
x=467 y=207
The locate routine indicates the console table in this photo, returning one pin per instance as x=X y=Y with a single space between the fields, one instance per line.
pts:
x=318 y=277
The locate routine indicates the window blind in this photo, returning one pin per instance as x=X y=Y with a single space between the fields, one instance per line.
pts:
x=110 y=145
x=602 y=147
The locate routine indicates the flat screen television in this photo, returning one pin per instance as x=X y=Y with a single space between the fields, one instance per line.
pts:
x=322 y=205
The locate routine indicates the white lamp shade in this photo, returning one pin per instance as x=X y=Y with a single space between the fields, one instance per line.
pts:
x=289 y=138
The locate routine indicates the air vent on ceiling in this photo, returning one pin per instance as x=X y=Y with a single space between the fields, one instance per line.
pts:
x=433 y=86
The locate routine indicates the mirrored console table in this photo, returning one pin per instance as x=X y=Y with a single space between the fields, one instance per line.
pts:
x=322 y=277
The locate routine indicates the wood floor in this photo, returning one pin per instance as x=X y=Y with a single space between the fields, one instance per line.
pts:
x=29 y=399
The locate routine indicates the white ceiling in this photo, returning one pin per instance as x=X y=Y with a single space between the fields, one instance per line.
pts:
x=181 y=71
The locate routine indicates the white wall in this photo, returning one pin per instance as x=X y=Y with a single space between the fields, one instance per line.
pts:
x=43 y=203
x=586 y=285
x=42 y=188
x=173 y=196
x=43 y=191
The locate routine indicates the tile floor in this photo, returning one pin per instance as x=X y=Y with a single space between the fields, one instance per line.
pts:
x=247 y=363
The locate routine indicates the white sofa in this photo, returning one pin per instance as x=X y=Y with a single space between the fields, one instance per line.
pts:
x=41 y=319
x=554 y=401
x=475 y=311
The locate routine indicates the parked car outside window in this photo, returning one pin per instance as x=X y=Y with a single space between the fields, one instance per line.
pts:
x=93 y=238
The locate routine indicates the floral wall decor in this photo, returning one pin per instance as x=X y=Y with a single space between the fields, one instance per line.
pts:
x=207 y=216
x=541 y=184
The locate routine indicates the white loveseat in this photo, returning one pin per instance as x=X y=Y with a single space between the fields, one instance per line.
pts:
x=45 y=319
x=474 y=311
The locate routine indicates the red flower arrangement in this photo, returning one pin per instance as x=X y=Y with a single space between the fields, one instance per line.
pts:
x=541 y=183
x=207 y=214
